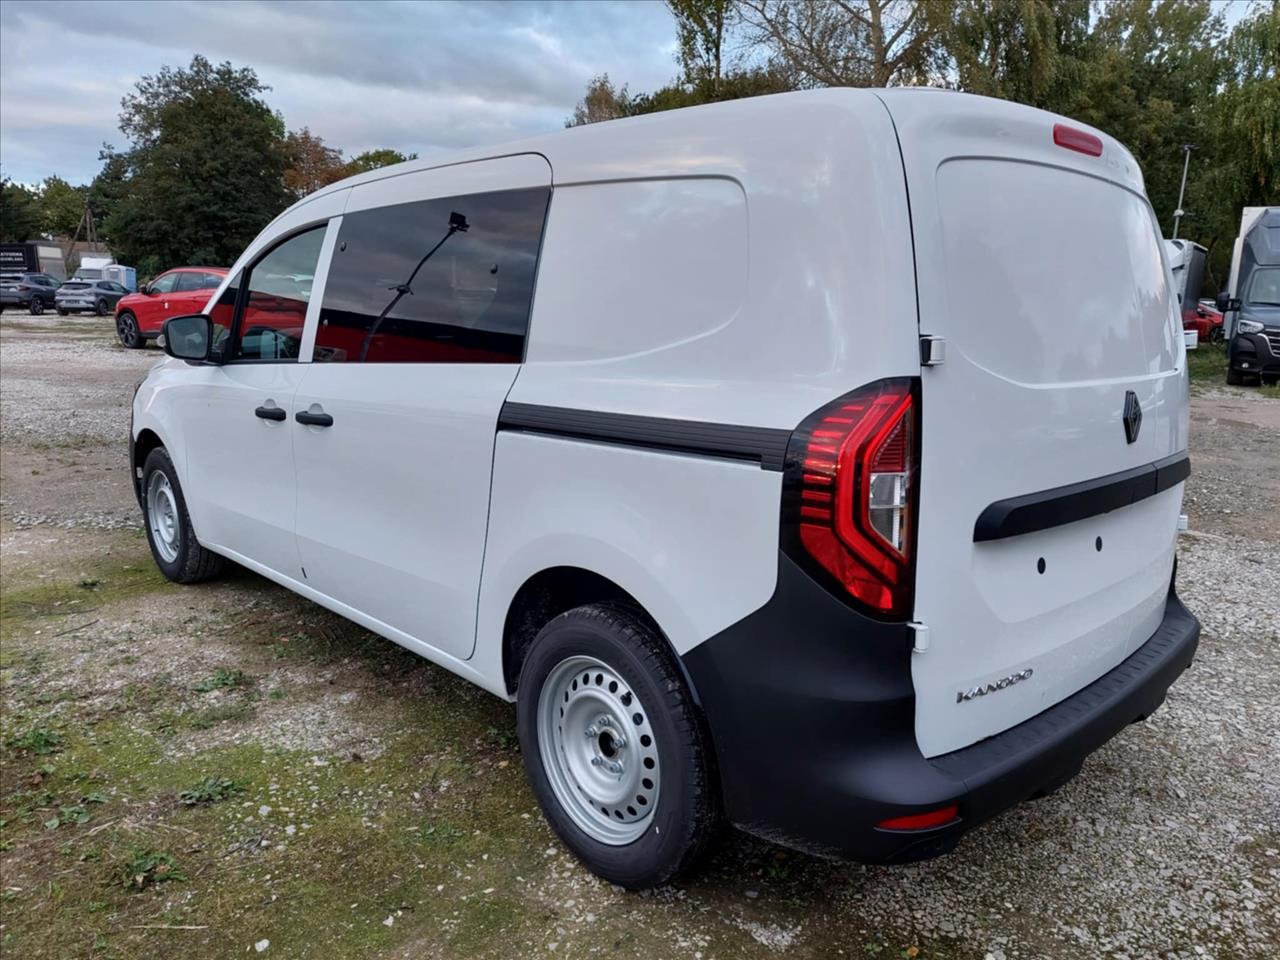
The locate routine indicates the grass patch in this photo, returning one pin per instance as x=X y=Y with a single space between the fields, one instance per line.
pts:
x=79 y=593
x=146 y=868
x=211 y=790
x=1208 y=363
x=38 y=740
x=222 y=713
x=222 y=679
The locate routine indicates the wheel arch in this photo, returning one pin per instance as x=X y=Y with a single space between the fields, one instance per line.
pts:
x=556 y=590
x=140 y=448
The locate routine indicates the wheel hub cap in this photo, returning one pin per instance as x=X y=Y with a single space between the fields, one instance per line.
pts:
x=598 y=750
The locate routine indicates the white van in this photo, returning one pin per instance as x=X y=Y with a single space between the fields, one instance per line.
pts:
x=783 y=460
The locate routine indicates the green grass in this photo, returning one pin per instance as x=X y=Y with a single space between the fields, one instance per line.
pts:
x=1208 y=363
x=211 y=790
x=222 y=679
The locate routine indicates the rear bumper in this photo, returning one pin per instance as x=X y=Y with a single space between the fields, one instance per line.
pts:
x=812 y=714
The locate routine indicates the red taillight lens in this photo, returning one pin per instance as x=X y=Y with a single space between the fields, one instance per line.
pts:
x=922 y=821
x=850 y=494
x=1077 y=140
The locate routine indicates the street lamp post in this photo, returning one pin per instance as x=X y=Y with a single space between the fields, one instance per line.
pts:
x=1186 y=162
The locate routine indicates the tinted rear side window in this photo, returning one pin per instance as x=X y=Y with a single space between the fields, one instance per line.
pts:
x=436 y=281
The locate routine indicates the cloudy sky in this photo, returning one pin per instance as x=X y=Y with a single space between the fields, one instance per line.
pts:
x=421 y=77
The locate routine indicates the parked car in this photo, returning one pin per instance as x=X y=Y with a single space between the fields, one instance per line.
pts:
x=100 y=296
x=1205 y=319
x=766 y=517
x=141 y=315
x=29 y=291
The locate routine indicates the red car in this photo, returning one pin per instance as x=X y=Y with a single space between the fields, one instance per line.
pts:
x=140 y=316
x=1205 y=321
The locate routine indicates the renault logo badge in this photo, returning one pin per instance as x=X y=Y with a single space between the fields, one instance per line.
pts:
x=1132 y=416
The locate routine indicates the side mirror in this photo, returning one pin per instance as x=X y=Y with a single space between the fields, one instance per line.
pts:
x=1225 y=303
x=188 y=338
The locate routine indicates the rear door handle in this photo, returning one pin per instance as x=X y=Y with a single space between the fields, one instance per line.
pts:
x=270 y=413
x=313 y=419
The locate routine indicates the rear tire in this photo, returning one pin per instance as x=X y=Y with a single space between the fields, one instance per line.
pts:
x=101 y=308
x=615 y=750
x=37 y=306
x=173 y=542
x=127 y=330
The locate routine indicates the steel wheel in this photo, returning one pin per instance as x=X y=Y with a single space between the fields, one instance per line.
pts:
x=598 y=750
x=162 y=517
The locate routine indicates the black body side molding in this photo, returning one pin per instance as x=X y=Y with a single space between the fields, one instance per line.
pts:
x=1078 y=501
x=763 y=445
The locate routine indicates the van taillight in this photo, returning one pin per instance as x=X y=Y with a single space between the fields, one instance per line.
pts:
x=849 y=501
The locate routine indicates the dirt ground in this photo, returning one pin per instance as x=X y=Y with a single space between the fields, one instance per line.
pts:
x=227 y=769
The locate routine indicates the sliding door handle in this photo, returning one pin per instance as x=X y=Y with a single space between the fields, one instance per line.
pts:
x=270 y=413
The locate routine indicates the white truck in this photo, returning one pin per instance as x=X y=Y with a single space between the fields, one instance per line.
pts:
x=106 y=268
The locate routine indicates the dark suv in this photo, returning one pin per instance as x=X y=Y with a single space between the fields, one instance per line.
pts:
x=30 y=291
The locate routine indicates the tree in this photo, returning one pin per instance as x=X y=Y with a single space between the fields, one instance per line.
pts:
x=848 y=43
x=700 y=35
x=1152 y=80
x=61 y=206
x=311 y=164
x=19 y=213
x=108 y=189
x=205 y=171
x=1024 y=50
x=602 y=101
x=374 y=159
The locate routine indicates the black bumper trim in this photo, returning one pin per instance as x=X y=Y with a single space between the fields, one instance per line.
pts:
x=766 y=446
x=812 y=713
x=1079 y=501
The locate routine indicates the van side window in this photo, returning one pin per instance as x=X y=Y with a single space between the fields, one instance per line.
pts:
x=275 y=308
x=437 y=281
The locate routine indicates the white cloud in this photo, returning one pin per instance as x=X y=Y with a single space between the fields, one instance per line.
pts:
x=419 y=77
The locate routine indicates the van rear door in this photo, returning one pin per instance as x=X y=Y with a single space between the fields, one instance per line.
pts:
x=1041 y=265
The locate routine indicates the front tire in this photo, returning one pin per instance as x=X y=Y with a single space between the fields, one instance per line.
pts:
x=1234 y=377
x=614 y=748
x=173 y=542
x=127 y=330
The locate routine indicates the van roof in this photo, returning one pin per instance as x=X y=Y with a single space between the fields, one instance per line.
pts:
x=710 y=140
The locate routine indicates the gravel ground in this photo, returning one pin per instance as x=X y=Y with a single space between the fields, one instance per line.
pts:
x=1166 y=846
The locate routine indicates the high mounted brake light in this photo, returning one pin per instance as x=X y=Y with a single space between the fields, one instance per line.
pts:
x=1080 y=141
x=850 y=495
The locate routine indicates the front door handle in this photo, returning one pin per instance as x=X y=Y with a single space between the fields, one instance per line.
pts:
x=270 y=413
x=313 y=419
